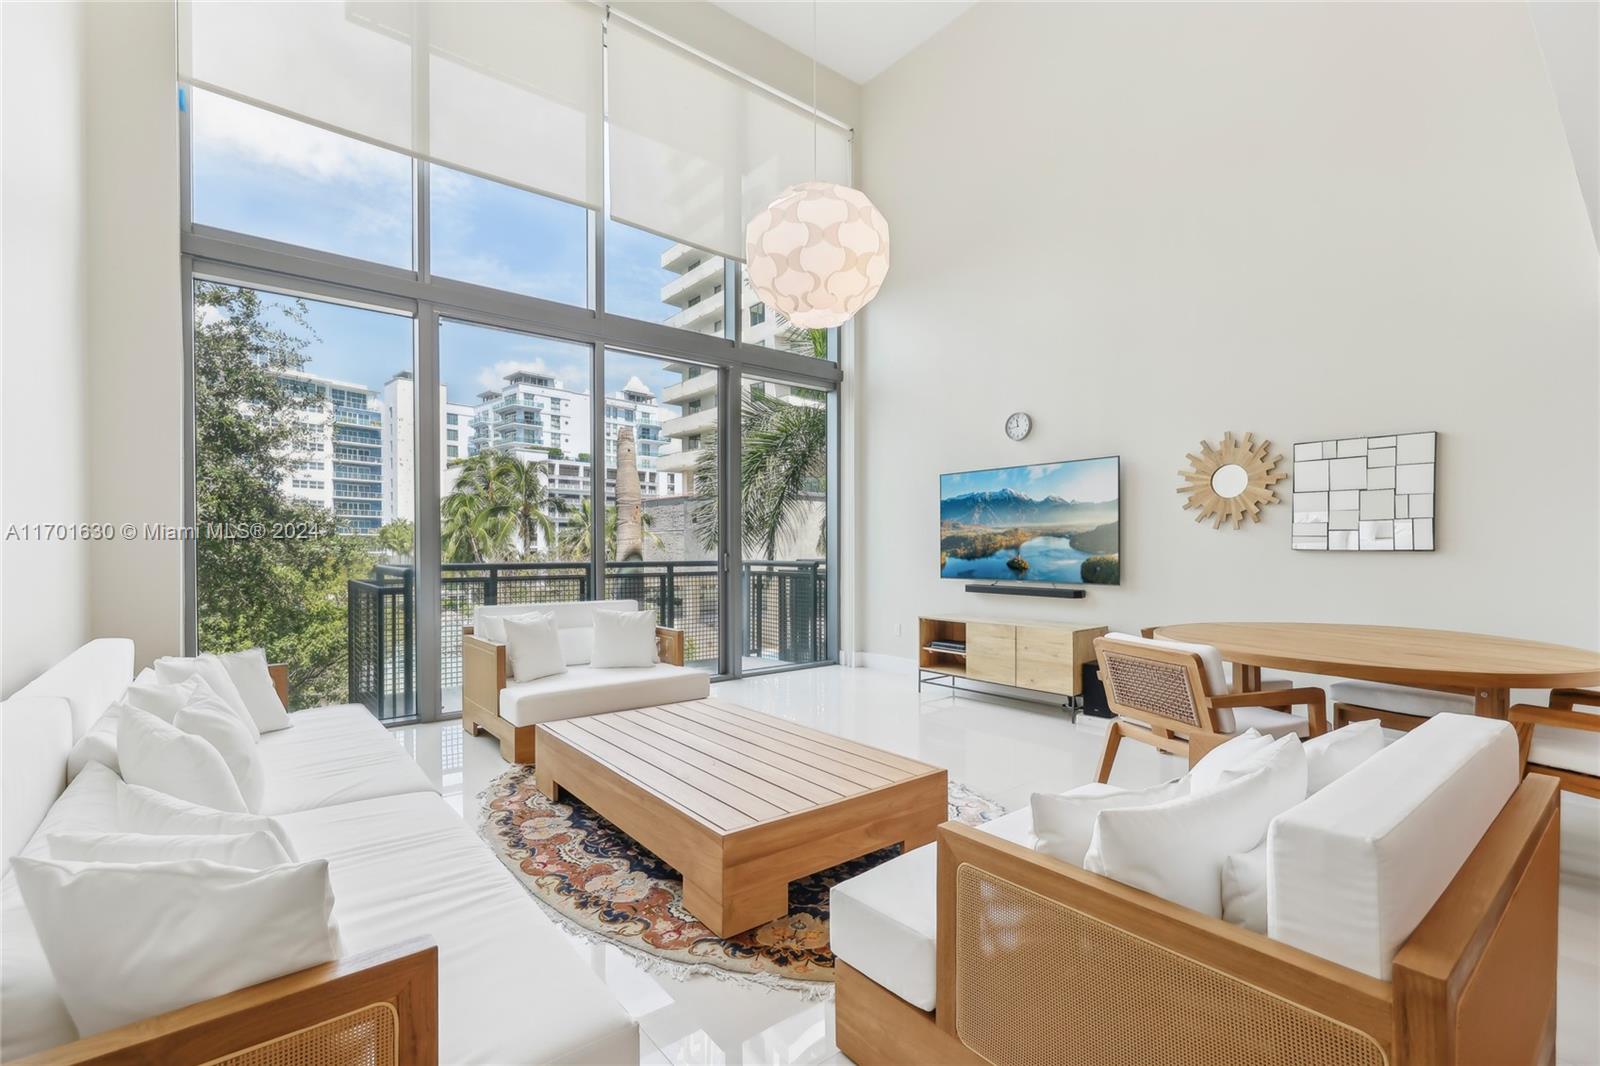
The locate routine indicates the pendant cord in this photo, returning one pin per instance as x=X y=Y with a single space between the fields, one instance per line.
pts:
x=814 y=89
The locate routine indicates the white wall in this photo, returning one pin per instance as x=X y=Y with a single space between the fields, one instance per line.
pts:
x=44 y=608
x=135 y=322
x=1150 y=224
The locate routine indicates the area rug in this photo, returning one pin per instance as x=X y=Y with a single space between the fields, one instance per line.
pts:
x=607 y=888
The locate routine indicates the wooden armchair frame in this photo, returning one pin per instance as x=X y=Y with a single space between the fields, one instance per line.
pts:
x=483 y=676
x=1039 y=961
x=1560 y=715
x=1166 y=691
x=379 y=1007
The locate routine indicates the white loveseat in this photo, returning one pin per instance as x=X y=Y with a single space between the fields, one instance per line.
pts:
x=510 y=987
x=1398 y=898
x=511 y=710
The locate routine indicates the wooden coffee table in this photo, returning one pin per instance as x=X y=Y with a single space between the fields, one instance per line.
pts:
x=738 y=802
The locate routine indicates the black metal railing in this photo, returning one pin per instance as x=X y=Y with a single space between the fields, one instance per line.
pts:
x=784 y=604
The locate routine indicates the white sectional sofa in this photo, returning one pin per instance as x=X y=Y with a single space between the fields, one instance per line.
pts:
x=510 y=710
x=511 y=988
x=1396 y=897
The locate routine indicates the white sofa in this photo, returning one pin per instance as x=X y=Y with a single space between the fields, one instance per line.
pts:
x=512 y=988
x=510 y=709
x=1436 y=835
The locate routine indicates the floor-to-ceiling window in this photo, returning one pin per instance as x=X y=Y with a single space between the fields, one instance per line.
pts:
x=470 y=382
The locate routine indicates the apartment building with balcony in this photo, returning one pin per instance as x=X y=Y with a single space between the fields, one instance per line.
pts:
x=339 y=461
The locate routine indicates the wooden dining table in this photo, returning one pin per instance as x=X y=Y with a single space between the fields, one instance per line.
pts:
x=1483 y=666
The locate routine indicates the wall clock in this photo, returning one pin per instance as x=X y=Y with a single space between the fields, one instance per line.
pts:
x=1018 y=425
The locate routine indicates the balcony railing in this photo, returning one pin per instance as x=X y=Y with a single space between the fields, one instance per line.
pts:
x=784 y=607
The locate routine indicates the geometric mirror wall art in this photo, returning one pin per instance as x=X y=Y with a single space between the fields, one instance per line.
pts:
x=1365 y=493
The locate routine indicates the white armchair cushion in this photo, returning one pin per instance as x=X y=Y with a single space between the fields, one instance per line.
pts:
x=885 y=922
x=533 y=647
x=1064 y=824
x=1334 y=754
x=128 y=941
x=623 y=639
x=160 y=756
x=1577 y=750
x=1357 y=866
x=145 y=810
x=209 y=668
x=1212 y=666
x=207 y=718
x=1176 y=849
x=249 y=673
x=1400 y=699
x=255 y=851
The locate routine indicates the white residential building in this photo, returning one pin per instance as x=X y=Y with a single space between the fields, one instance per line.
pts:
x=399 y=444
x=340 y=465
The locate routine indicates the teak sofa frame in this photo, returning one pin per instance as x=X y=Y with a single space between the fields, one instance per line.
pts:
x=1041 y=962
x=379 y=1008
x=483 y=676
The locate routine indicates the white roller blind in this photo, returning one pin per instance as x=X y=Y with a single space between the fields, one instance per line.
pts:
x=695 y=150
x=508 y=91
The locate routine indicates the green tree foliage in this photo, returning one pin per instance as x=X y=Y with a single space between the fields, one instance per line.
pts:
x=498 y=503
x=574 y=543
x=784 y=466
x=287 y=592
x=1101 y=570
x=398 y=537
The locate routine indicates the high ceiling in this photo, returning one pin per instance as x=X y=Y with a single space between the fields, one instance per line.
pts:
x=858 y=38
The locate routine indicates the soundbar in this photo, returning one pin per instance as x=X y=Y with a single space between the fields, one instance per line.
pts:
x=1021 y=589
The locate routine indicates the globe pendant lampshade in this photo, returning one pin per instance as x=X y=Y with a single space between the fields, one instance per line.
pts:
x=818 y=253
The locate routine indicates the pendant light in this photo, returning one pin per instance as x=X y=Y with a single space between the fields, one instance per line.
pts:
x=820 y=251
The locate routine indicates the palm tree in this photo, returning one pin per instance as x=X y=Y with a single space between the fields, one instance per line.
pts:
x=784 y=465
x=519 y=491
x=474 y=524
x=574 y=542
x=397 y=537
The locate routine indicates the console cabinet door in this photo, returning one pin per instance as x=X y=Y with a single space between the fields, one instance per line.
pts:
x=992 y=653
x=1046 y=660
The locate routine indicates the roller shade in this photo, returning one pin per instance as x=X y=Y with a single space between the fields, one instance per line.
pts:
x=508 y=91
x=695 y=150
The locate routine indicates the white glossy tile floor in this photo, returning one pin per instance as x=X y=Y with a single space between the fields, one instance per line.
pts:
x=1005 y=750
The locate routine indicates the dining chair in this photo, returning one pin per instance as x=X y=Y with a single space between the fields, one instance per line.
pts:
x=1562 y=741
x=1398 y=707
x=1174 y=697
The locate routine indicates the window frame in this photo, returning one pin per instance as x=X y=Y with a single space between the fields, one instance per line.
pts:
x=229 y=257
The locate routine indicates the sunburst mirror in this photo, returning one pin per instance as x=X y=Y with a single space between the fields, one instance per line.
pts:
x=1227 y=483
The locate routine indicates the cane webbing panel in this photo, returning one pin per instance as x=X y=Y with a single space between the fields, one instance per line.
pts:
x=1157 y=688
x=365 y=1037
x=1039 y=984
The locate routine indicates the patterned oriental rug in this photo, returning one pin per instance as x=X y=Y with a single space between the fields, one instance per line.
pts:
x=608 y=889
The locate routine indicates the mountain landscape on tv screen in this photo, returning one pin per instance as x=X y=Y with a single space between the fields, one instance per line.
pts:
x=1012 y=534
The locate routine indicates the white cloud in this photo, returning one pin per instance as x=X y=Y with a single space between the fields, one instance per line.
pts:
x=494 y=377
x=262 y=138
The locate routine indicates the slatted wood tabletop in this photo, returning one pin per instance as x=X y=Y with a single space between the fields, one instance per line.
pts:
x=739 y=802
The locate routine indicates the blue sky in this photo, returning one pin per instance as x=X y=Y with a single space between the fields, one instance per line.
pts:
x=1090 y=480
x=259 y=173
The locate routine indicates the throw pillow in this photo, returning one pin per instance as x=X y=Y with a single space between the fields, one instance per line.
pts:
x=126 y=942
x=254 y=851
x=208 y=719
x=1332 y=755
x=1244 y=888
x=161 y=756
x=1285 y=755
x=533 y=647
x=98 y=745
x=209 y=668
x=1207 y=773
x=159 y=698
x=623 y=639
x=577 y=645
x=489 y=626
x=1064 y=824
x=249 y=673
x=145 y=810
x=1176 y=849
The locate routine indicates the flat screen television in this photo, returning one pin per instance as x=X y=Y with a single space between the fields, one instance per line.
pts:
x=1050 y=522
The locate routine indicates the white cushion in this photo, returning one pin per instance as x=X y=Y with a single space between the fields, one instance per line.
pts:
x=1206 y=774
x=174 y=670
x=160 y=698
x=406 y=865
x=207 y=718
x=1577 y=750
x=144 y=810
x=35 y=739
x=1424 y=703
x=883 y=923
x=1212 y=666
x=574 y=614
x=1017 y=827
x=585 y=690
x=160 y=756
x=1263 y=720
x=336 y=754
x=1244 y=888
x=1176 y=849
x=1064 y=824
x=88 y=679
x=577 y=644
x=255 y=851
x=1355 y=867
x=533 y=649
x=1334 y=754
x=126 y=942
x=249 y=673
x=99 y=745
x=623 y=639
